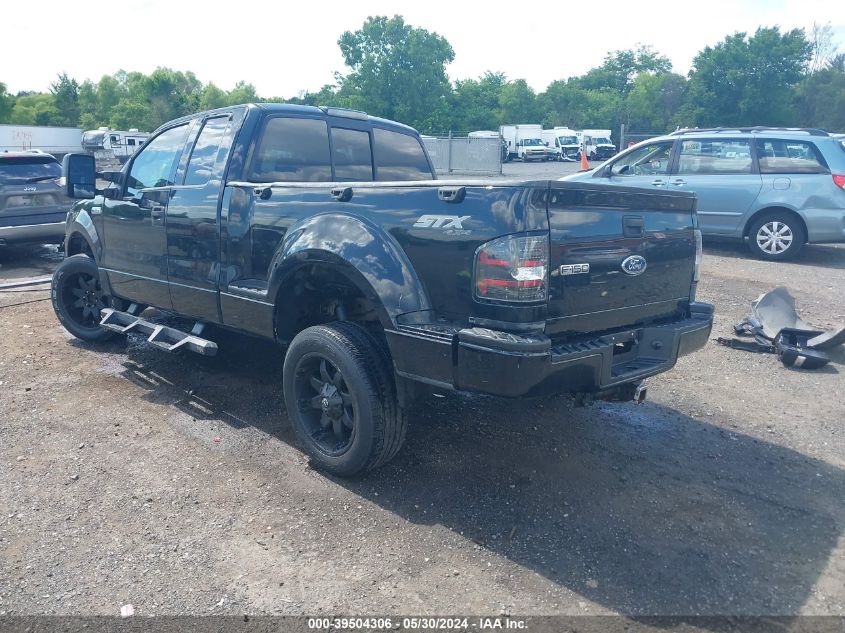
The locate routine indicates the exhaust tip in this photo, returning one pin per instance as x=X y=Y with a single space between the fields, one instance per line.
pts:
x=640 y=394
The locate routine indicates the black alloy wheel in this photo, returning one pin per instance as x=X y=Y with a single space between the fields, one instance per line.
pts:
x=78 y=297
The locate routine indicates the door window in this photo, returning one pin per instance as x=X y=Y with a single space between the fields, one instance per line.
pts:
x=648 y=160
x=353 y=158
x=779 y=156
x=155 y=165
x=293 y=150
x=206 y=150
x=715 y=156
x=399 y=156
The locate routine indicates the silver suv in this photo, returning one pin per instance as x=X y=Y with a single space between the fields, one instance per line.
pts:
x=33 y=206
x=777 y=188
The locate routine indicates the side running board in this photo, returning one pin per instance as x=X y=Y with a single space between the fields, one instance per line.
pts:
x=167 y=338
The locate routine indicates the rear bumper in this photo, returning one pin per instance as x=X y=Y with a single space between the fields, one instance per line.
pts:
x=504 y=364
x=51 y=232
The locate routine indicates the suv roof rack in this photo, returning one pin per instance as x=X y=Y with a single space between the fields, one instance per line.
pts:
x=759 y=128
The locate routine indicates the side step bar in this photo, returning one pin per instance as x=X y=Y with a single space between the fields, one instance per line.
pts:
x=167 y=338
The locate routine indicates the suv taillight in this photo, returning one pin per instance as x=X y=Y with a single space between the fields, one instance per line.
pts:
x=513 y=269
x=839 y=179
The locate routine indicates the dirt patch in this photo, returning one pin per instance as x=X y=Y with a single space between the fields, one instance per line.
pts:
x=173 y=483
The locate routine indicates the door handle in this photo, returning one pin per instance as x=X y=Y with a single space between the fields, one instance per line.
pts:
x=658 y=183
x=342 y=194
x=156 y=212
x=679 y=182
x=633 y=226
x=451 y=194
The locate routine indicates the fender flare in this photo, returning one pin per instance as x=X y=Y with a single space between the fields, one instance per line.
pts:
x=83 y=226
x=364 y=253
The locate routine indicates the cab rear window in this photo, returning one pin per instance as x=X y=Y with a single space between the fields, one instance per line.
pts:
x=399 y=156
x=16 y=170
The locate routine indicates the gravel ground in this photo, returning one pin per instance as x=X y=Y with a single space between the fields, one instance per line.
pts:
x=173 y=482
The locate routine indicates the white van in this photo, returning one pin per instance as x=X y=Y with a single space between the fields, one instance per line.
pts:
x=597 y=144
x=524 y=141
x=562 y=143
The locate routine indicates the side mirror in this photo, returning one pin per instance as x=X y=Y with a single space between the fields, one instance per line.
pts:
x=80 y=173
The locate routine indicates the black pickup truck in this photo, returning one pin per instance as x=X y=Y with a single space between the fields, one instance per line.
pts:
x=325 y=231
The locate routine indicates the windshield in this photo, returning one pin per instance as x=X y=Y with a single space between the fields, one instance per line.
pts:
x=532 y=141
x=568 y=140
x=23 y=169
x=603 y=141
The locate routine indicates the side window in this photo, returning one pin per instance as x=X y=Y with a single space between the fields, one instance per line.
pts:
x=715 y=156
x=155 y=165
x=651 y=159
x=399 y=157
x=353 y=159
x=130 y=142
x=778 y=156
x=292 y=150
x=206 y=150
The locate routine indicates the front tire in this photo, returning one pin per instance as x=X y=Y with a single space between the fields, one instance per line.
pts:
x=341 y=398
x=776 y=236
x=78 y=298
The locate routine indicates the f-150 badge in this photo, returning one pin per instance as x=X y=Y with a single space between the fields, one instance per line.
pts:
x=574 y=269
x=441 y=221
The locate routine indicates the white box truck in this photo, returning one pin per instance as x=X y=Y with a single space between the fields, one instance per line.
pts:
x=525 y=141
x=597 y=144
x=57 y=141
x=562 y=143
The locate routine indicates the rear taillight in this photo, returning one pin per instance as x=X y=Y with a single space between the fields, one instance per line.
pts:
x=698 y=255
x=513 y=268
x=839 y=179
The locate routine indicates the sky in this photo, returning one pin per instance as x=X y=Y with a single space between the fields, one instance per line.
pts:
x=285 y=48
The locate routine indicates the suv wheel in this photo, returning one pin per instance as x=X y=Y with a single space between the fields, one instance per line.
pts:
x=341 y=398
x=776 y=236
x=78 y=298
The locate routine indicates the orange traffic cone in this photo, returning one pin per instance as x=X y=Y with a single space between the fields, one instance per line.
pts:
x=585 y=165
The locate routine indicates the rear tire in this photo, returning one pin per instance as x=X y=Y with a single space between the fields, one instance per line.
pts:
x=341 y=399
x=78 y=298
x=776 y=236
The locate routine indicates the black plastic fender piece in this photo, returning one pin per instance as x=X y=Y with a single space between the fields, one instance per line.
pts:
x=793 y=350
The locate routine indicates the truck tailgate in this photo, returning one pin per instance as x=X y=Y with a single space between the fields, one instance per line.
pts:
x=619 y=257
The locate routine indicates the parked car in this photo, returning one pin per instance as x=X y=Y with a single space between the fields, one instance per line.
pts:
x=270 y=220
x=777 y=188
x=33 y=204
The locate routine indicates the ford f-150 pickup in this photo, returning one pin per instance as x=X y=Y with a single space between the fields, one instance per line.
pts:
x=325 y=231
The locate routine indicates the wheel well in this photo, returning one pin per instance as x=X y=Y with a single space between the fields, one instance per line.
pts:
x=319 y=293
x=78 y=244
x=768 y=210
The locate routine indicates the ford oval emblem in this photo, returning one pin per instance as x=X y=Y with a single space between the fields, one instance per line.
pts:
x=634 y=265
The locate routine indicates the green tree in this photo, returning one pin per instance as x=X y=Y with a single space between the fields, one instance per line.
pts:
x=475 y=103
x=242 y=93
x=65 y=102
x=820 y=98
x=7 y=102
x=747 y=80
x=213 y=97
x=653 y=101
x=398 y=71
x=518 y=103
x=621 y=68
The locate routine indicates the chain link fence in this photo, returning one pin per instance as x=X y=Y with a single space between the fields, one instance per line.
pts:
x=465 y=155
